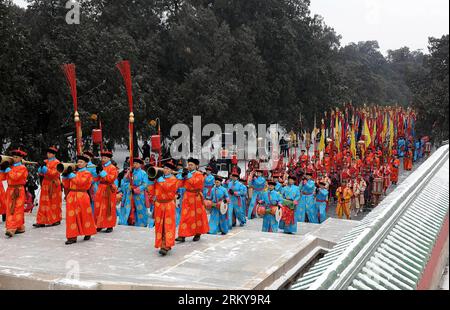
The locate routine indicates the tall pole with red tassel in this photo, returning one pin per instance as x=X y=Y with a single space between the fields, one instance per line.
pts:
x=125 y=70
x=69 y=72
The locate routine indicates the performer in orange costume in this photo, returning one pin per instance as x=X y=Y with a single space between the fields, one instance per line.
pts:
x=165 y=193
x=79 y=218
x=395 y=165
x=16 y=176
x=194 y=221
x=105 y=197
x=2 y=196
x=50 y=201
x=408 y=160
x=344 y=195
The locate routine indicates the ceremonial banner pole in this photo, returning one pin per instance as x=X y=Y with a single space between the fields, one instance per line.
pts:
x=69 y=72
x=101 y=129
x=124 y=68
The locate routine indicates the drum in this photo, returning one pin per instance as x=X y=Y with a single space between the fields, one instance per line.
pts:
x=273 y=210
x=208 y=204
x=377 y=188
x=223 y=208
x=261 y=210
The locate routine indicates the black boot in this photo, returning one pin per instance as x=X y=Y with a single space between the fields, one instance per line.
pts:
x=196 y=238
x=99 y=229
x=4 y=217
x=9 y=234
x=71 y=241
x=86 y=238
x=163 y=252
x=180 y=239
x=109 y=230
x=56 y=224
x=39 y=225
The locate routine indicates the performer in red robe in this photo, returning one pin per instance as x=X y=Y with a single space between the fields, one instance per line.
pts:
x=408 y=160
x=395 y=165
x=79 y=218
x=16 y=176
x=194 y=221
x=165 y=193
x=50 y=201
x=2 y=196
x=105 y=197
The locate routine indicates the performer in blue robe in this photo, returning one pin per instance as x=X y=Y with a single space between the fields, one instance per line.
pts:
x=218 y=222
x=279 y=187
x=244 y=192
x=151 y=219
x=401 y=147
x=94 y=187
x=125 y=205
x=417 y=148
x=208 y=184
x=322 y=201
x=271 y=198
x=236 y=207
x=180 y=194
x=307 y=205
x=258 y=184
x=139 y=186
x=291 y=193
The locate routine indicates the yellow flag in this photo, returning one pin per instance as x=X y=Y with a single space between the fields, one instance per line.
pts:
x=391 y=136
x=353 y=143
x=337 y=136
x=385 y=129
x=374 y=132
x=322 y=140
x=367 y=134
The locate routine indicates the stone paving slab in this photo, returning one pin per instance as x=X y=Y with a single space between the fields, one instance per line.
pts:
x=126 y=259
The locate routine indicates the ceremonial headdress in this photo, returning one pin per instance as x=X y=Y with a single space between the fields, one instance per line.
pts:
x=194 y=161
x=83 y=158
x=52 y=149
x=106 y=154
x=137 y=160
x=170 y=164
x=18 y=152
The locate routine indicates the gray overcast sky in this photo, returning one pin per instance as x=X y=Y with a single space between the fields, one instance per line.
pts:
x=393 y=23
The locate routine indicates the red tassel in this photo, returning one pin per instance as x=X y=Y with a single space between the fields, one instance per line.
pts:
x=69 y=72
x=125 y=70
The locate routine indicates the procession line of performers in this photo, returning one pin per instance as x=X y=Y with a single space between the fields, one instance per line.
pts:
x=179 y=197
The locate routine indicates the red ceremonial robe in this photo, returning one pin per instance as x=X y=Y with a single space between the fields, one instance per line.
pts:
x=15 y=198
x=165 y=194
x=79 y=218
x=194 y=220
x=50 y=200
x=105 y=198
x=2 y=194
